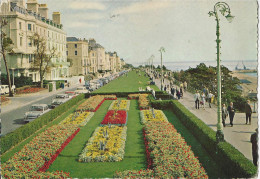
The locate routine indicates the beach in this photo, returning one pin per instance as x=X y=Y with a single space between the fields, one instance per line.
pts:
x=247 y=87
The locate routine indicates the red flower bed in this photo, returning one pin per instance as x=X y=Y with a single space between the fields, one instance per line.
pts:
x=148 y=152
x=110 y=97
x=98 y=106
x=53 y=158
x=115 y=117
x=4 y=99
x=29 y=90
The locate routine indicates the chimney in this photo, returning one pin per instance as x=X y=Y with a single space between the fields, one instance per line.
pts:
x=32 y=5
x=56 y=17
x=20 y=3
x=43 y=10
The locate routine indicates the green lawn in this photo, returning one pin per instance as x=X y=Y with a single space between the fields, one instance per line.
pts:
x=212 y=169
x=130 y=83
x=134 y=152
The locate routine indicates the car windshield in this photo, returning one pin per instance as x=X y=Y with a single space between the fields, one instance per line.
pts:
x=36 y=108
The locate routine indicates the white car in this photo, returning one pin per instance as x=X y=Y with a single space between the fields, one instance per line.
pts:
x=81 y=90
x=4 y=89
x=59 y=99
x=35 y=111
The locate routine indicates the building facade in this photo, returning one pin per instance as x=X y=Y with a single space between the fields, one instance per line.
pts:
x=77 y=51
x=23 y=24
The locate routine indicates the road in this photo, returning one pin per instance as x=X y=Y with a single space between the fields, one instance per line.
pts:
x=12 y=114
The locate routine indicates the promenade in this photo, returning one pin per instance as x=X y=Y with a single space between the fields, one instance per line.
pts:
x=238 y=135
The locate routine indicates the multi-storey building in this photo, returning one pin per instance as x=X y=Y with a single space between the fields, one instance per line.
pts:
x=23 y=23
x=77 y=51
x=112 y=61
x=100 y=54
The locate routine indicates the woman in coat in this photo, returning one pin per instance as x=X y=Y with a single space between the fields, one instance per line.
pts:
x=224 y=114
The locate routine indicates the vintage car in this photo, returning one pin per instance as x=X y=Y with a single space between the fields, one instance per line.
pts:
x=35 y=111
x=59 y=99
x=71 y=94
x=81 y=89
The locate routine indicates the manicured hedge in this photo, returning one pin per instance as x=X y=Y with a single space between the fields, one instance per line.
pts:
x=25 y=131
x=233 y=162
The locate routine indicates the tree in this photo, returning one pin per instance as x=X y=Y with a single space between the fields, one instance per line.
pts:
x=43 y=56
x=5 y=47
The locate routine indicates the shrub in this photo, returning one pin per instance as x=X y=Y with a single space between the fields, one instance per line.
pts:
x=25 y=131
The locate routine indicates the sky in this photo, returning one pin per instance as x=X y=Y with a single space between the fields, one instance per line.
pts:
x=137 y=29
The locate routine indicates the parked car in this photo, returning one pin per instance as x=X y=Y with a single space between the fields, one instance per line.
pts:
x=71 y=94
x=81 y=90
x=59 y=99
x=4 y=89
x=35 y=111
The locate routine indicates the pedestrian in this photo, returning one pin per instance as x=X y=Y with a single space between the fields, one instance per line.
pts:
x=224 y=114
x=203 y=100
x=80 y=80
x=172 y=91
x=178 y=94
x=181 y=85
x=248 y=111
x=165 y=88
x=231 y=112
x=197 y=100
x=185 y=85
x=254 y=141
x=210 y=95
x=181 y=92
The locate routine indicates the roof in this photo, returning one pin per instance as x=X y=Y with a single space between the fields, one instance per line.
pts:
x=72 y=39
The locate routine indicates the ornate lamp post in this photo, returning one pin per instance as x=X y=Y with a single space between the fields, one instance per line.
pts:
x=224 y=9
x=161 y=51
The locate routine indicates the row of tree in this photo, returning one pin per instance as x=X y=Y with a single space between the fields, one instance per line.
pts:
x=206 y=77
x=42 y=55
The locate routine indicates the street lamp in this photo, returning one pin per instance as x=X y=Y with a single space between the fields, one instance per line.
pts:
x=161 y=51
x=224 y=9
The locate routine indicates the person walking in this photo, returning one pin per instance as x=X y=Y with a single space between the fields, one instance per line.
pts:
x=165 y=88
x=172 y=91
x=254 y=141
x=248 y=111
x=185 y=85
x=181 y=92
x=210 y=95
x=231 y=112
x=224 y=114
x=203 y=100
x=197 y=101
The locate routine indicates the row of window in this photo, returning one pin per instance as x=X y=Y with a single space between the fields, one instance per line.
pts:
x=33 y=28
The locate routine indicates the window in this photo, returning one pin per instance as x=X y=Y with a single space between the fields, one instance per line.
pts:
x=76 y=52
x=48 y=33
x=30 y=27
x=21 y=41
x=30 y=58
x=76 y=45
x=30 y=42
x=67 y=53
x=93 y=54
x=67 y=46
x=20 y=25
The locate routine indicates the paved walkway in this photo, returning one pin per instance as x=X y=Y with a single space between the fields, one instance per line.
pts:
x=238 y=135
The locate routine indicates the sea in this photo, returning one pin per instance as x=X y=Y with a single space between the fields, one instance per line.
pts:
x=231 y=65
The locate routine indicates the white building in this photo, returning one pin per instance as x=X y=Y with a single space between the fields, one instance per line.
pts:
x=23 y=23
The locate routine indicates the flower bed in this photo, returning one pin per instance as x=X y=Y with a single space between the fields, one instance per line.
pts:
x=106 y=145
x=4 y=99
x=91 y=104
x=115 y=117
x=78 y=118
x=171 y=155
x=144 y=102
x=29 y=90
x=38 y=155
x=110 y=97
x=133 y=96
x=152 y=115
x=120 y=105
x=135 y=174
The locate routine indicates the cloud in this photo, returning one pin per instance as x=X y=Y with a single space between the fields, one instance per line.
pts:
x=87 y=5
x=143 y=7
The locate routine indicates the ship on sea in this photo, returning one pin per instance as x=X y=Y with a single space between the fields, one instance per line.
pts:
x=243 y=69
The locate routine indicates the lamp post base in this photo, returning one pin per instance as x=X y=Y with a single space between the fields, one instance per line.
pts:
x=219 y=136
